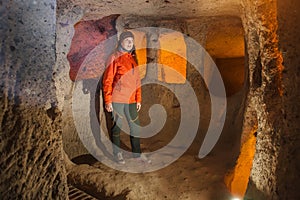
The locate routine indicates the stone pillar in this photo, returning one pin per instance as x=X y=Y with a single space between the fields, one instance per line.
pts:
x=266 y=102
x=31 y=163
x=152 y=45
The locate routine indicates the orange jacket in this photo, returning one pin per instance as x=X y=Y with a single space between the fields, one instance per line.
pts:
x=121 y=79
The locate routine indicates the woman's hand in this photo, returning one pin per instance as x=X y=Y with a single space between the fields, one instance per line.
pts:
x=109 y=107
x=138 y=106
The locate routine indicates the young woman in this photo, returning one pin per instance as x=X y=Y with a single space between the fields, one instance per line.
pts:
x=122 y=95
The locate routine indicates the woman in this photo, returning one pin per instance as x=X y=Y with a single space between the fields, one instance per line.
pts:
x=122 y=95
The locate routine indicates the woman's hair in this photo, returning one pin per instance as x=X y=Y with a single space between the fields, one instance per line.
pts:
x=133 y=53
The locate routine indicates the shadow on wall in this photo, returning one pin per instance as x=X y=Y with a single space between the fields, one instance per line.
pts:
x=233 y=72
x=93 y=88
x=96 y=110
x=252 y=192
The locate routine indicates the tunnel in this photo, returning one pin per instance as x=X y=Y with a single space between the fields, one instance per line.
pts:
x=219 y=116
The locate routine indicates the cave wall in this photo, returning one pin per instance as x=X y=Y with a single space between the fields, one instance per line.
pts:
x=263 y=107
x=31 y=164
x=199 y=29
x=31 y=104
x=288 y=171
x=67 y=16
x=233 y=73
x=271 y=107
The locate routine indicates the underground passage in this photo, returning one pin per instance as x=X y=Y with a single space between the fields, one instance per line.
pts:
x=215 y=100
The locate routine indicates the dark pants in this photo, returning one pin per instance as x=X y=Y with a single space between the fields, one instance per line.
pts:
x=129 y=111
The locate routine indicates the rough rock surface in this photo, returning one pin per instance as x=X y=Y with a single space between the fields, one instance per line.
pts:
x=288 y=171
x=200 y=29
x=89 y=35
x=31 y=164
x=31 y=105
x=160 y=8
x=271 y=106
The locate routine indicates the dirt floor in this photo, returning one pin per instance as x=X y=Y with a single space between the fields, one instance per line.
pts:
x=187 y=178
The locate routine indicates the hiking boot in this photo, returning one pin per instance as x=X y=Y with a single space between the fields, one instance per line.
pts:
x=120 y=159
x=143 y=158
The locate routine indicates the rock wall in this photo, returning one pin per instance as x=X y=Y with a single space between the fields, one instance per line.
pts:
x=89 y=35
x=269 y=100
x=232 y=71
x=31 y=164
x=34 y=107
x=69 y=15
x=288 y=171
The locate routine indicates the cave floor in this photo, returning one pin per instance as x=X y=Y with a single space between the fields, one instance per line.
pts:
x=189 y=177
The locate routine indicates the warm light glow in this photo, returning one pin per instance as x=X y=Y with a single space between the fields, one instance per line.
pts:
x=140 y=43
x=280 y=69
x=226 y=41
x=172 y=58
x=237 y=180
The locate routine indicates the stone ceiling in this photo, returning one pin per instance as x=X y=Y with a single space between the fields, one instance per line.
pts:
x=159 y=8
x=225 y=29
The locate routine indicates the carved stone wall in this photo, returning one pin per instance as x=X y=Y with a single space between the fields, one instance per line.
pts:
x=31 y=163
x=272 y=100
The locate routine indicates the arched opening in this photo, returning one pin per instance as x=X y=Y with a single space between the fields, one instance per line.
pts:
x=225 y=43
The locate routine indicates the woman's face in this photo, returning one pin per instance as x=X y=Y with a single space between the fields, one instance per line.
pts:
x=127 y=43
